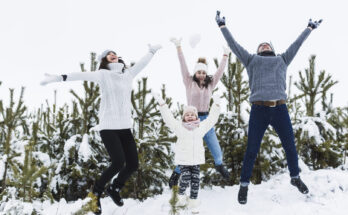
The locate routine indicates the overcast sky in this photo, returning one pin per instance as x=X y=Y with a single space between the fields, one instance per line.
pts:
x=44 y=36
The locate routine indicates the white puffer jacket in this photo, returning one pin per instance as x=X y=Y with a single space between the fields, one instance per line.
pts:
x=189 y=149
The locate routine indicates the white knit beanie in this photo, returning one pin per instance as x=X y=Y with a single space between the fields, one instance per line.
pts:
x=191 y=109
x=200 y=66
x=104 y=54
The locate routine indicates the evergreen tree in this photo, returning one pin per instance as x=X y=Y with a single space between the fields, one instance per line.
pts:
x=314 y=87
x=55 y=128
x=317 y=140
x=174 y=208
x=153 y=144
x=83 y=154
x=231 y=128
x=86 y=108
x=27 y=175
x=338 y=118
x=12 y=117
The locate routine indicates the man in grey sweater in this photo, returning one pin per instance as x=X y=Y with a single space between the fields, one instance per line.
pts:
x=267 y=82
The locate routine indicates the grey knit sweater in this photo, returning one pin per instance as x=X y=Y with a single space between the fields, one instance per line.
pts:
x=267 y=74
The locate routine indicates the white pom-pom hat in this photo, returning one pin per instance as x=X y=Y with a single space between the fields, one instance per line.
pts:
x=200 y=66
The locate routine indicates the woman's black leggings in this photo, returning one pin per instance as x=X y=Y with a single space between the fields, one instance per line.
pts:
x=122 y=149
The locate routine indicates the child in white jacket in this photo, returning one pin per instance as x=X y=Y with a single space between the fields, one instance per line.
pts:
x=189 y=149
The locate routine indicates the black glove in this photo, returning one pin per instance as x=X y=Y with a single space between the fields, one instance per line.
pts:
x=314 y=24
x=218 y=19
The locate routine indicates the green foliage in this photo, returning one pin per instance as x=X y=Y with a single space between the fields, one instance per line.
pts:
x=153 y=144
x=31 y=170
x=90 y=206
x=174 y=208
x=320 y=149
x=314 y=87
x=231 y=128
x=11 y=117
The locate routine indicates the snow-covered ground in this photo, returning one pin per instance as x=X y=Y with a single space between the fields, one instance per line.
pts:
x=328 y=195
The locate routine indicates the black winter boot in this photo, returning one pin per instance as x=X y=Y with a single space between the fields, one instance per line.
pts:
x=243 y=194
x=297 y=182
x=97 y=192
x=223 y=171
x=173 y=180
x=114 y=192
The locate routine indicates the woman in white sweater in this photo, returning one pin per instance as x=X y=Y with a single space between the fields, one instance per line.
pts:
x=115 y=81
x=189 y=149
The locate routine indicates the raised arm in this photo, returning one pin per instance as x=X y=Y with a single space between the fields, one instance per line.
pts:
x=169 y=119
x=213 y=117
x=75 y=76
x=242 y=54
x=218 y=74
x=140 y=65
x=290 y=53
x=183 y=66
x=167 y=115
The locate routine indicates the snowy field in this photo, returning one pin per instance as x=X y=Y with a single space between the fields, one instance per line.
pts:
x=328 y=195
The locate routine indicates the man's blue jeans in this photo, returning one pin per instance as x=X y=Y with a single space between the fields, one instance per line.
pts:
x=260 y=117
x=212 y=142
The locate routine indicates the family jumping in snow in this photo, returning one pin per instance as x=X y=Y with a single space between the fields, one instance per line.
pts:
x=267 y=82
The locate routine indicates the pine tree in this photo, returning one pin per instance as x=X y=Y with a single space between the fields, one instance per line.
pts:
x=26 y=176
x=55 y=128
x=12 y=117
x=317 y=140
x=174 y=208
x=314 y=87
x=83 y=155
x=231 y=128
x=338 y=118
x=88 y=105
x=153 y=144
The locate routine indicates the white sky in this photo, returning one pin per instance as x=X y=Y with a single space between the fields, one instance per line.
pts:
x=45 y=36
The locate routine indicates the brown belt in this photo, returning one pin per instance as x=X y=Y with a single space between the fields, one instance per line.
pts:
x=269 y=103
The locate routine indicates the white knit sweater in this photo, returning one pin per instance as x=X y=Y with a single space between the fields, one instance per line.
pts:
x=189 y=149
x=116 y=89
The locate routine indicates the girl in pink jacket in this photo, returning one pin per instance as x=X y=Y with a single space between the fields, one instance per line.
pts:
x=199 y=88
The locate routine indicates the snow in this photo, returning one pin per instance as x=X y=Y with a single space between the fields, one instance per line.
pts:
x=43 y=157
x=3 y=159
x=69 y=144
x=85 y=151
x=194 y=40
x=328 y=195
x=309 y=127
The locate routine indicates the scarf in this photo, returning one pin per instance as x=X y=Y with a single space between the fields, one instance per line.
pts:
x=116 y=67
x=191 y=125
x=267 y=53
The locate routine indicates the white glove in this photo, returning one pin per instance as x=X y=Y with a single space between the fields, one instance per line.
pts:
x=51 y=78
x=177 y=42
x=158 y=98
x=216 y=98
x=154 y=48
x=226 y=50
